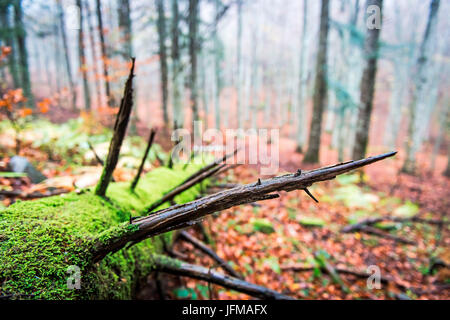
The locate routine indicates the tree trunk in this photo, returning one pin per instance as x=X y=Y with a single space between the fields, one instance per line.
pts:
x=123 y=11
x=177 y=79
x=193 y=48
x=23 y=54
x=104 y=58
x=94 y=55
x=367 y=87
x=320 y=87
x=163 y=58
x=218 y=57
x=82 y=60
x=302 y=83
x=239 y=111
x=8 y=39
x=417 y=106
x=62 y=27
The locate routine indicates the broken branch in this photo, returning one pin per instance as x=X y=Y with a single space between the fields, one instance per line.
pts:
x=177 y=267
x=141 y=167
x=210 y=252
x=120 y=128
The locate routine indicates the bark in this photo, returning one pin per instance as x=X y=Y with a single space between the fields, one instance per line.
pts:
x=141 y=167
x=320 y=88
x=193 y=49
x=218 y=51
x=125 y=28
x=94 y=55
x=210 y=252
x=82 y=60
x=120 y=128
x=417 y=106
x=67 y=56
x=447 y=170
x=23 y=53
x=104 y=58
x=177 y=80
x=181 y=216
x=8 y=39
x=177 y=267
x=239 y=64
x=161 y=26
x=367 y=87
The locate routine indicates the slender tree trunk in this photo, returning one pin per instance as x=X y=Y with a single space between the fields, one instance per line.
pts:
x=23 y=54
x=163 y=58
x=73 y=92
x=419 y=95
x=367 y=87
x=94 y=55
x=218 y=51
x=239 y=112
x=303 y=78
x=320 y=88
x=177 y=80
x=82 y=60
x=447 y=170
x=123 y=11
x=444 y=123
x=109 y=100
x=193 y=48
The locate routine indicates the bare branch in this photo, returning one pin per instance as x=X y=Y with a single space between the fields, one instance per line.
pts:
x=141 y=167
x=120 y=128
x=210 y=252
x=177 y=267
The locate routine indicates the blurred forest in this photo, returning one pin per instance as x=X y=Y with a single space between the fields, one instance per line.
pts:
x=340 y=79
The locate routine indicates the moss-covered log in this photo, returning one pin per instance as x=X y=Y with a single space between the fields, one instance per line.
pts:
x=40 y=239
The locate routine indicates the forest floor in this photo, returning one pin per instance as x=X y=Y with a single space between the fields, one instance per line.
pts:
x=265 y=242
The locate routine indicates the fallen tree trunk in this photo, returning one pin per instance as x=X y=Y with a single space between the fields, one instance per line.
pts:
x=177 y=267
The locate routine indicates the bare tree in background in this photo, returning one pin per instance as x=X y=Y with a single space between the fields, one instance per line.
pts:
x=177 y=80
x=367 y=86
x=161 y=26
x=82 y=60
x=320 y=87
x=104 y=53
x=419 y=97
x=193 y=48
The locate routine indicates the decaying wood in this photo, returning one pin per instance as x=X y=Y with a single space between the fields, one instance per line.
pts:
x=210 y=252
x=185 y=215
x=177 y=267
x=120 y=128
x=141 y=167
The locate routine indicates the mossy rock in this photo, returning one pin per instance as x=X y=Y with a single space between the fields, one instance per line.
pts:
x=40 y=240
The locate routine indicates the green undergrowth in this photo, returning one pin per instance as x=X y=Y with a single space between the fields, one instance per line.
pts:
x=40 y=240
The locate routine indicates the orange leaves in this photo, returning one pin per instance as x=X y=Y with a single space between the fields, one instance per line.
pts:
x=44 y=105
x=5 y=51
x=11 y=98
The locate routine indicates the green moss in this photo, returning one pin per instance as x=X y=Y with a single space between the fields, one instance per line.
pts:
x=40 y=239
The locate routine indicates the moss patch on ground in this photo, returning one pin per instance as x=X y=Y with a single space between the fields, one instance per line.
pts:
x=40 y=240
